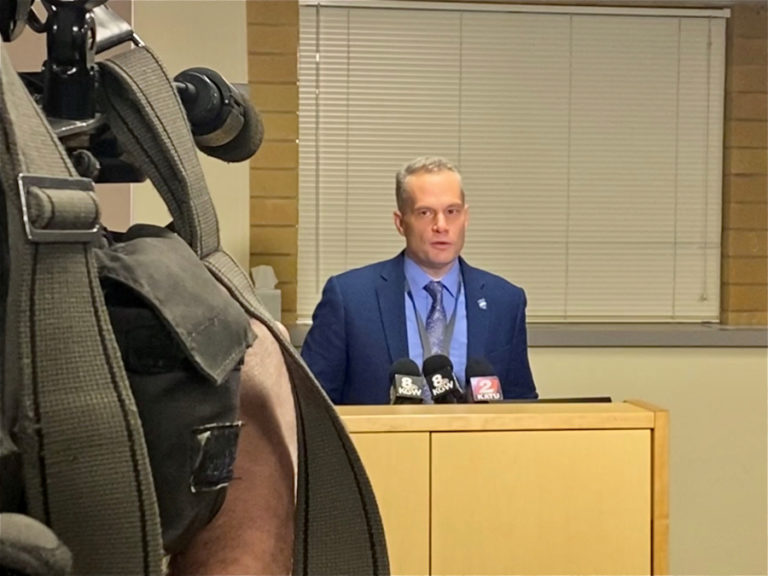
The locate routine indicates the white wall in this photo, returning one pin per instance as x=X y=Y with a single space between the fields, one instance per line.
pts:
x=718 y=440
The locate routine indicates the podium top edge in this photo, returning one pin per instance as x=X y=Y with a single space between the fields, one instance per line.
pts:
x=503 y=416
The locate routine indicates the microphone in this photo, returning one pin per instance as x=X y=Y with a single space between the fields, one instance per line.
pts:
x=438 y=372
x=407 y=382
x=224 y=123
x=481 y=383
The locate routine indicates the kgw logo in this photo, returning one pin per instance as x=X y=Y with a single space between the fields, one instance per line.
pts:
x=441 y=384
x=408 y=387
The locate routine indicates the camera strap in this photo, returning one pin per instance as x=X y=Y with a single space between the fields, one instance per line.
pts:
x=338 y=528
x=66 y=402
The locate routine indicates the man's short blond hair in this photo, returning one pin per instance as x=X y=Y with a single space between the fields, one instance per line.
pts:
x=423 y=164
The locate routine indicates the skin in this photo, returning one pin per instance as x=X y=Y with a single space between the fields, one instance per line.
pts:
x=253 y=532
x=434 y=222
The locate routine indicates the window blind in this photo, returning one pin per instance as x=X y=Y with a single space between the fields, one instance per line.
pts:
x=590 y=147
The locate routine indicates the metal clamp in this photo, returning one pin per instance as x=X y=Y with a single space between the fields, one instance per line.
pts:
x=43 y=236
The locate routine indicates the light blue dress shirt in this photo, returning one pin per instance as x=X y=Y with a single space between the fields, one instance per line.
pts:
x=417 y=279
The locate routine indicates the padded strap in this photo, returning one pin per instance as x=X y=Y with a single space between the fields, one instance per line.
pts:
x=338 y=529
x=338 y=526
x=66 y=400
x=146 y=116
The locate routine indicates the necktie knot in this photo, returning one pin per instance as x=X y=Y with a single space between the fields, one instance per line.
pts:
x=435 y=289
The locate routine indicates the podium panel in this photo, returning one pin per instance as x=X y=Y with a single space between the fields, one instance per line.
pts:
x=398 y=467
x=555 y=502
x=518 y=488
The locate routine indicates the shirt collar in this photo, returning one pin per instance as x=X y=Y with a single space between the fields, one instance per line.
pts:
x=417 y=278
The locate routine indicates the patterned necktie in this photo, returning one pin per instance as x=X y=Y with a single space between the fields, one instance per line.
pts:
x=436 y=319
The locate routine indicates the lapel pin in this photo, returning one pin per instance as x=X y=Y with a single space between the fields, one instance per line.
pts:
x=482 y=303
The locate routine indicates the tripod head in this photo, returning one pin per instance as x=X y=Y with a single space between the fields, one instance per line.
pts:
x=76 y=31
x=222 y=120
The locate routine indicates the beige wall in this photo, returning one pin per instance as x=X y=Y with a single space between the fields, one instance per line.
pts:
x=211 y=34
x=718 y=440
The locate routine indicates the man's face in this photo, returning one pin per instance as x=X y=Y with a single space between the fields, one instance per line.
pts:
x=434 y=221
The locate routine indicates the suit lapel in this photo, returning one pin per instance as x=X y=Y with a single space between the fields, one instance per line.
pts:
x=478 y=312
x=390 y=292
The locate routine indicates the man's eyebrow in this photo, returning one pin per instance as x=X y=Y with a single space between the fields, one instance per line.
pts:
x=453 y=205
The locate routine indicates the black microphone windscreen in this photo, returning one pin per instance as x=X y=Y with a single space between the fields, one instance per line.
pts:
x=481 y=383
x=438 y=372
x=437 y=363
x=407 y=382
x=477 y=367
x=404 y=366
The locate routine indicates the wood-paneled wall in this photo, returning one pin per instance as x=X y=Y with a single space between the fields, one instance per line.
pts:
x=744 y=300
x=273 y=29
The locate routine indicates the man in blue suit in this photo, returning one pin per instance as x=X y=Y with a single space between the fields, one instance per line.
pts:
x=424 y=301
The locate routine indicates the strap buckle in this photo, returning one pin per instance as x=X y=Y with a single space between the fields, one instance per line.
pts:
x=45 y=236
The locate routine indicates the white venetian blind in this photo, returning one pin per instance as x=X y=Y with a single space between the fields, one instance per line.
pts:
x=590 y=147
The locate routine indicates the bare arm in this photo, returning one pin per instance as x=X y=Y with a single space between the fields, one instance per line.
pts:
x=253 y=531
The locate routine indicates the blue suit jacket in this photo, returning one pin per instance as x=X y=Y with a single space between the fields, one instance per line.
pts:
x=359 y=329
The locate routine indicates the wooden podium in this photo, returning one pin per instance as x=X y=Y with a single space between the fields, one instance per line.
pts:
x=570 y=488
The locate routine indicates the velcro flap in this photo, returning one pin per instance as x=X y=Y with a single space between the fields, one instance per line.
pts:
x=210 y=326
x=215 y=459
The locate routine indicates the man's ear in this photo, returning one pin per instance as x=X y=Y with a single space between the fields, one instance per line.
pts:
x=398 y=217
